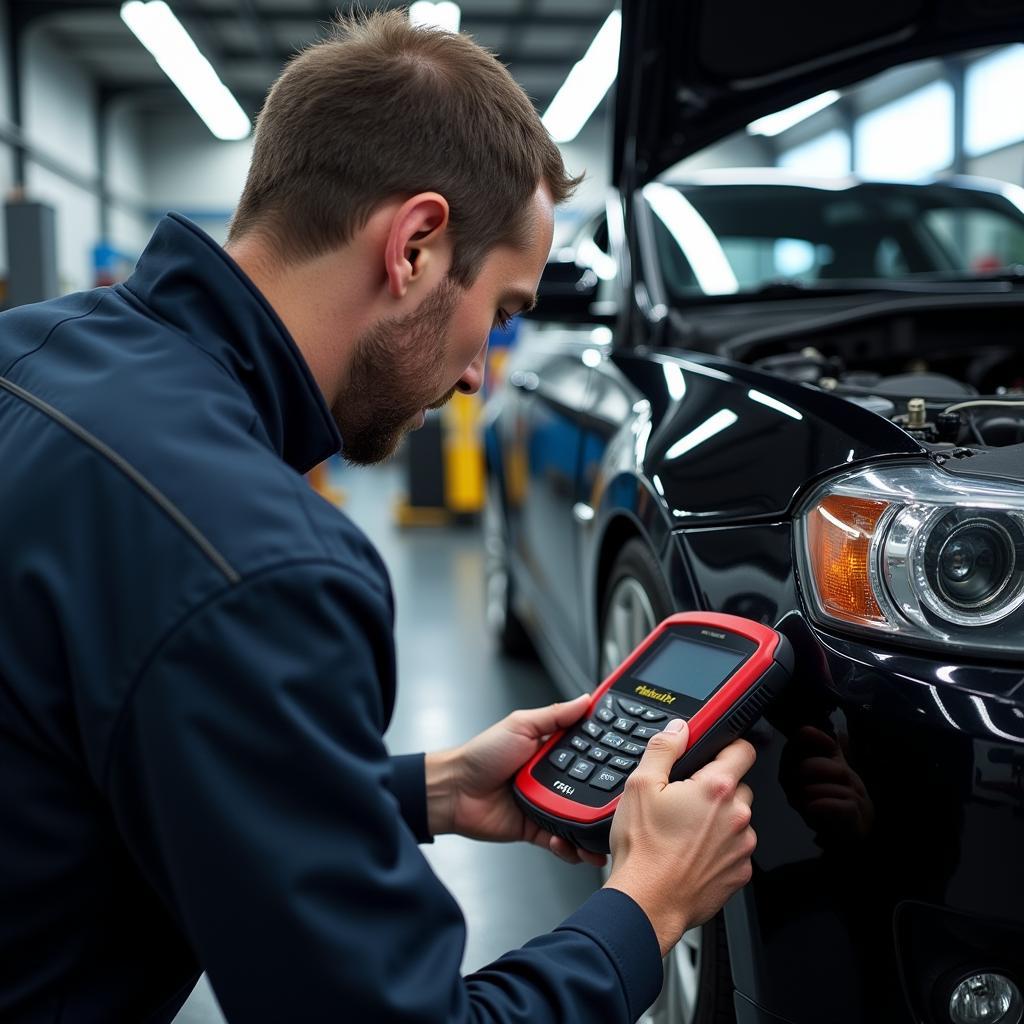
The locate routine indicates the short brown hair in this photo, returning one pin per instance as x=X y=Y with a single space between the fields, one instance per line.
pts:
x=382 y=108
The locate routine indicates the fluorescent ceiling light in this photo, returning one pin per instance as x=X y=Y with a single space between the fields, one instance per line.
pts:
x=445 y=15
x=160 y=32
x=694 y=237
x=586 y=84
x=783 y=120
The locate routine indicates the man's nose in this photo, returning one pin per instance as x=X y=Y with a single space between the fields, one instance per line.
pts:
x=472 y=378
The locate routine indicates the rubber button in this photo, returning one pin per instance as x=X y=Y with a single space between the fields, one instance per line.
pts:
x=614 y=740
x=606 y=779
x=592 y=729
x=650 y=715
x=645 y=732
x=629 y=708
x=580 y=744
x=624 y=764
x=598 y=754
x=605 y=714
x=633 y=749
x=562 y=758
x=624 y=725
x=581 y=770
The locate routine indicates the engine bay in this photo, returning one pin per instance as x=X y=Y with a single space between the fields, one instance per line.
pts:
x=952 y=375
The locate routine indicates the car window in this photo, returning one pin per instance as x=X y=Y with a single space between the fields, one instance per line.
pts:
x=721 y=239
x=980 y=239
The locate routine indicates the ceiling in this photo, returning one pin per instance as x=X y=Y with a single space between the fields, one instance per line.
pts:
x=247 y=41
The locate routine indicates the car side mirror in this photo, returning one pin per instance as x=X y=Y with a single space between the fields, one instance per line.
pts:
x=567 y=293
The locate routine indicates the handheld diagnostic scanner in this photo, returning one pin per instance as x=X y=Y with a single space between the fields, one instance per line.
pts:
x=718 y=672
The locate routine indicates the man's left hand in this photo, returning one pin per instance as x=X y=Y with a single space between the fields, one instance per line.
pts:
x=469 y=790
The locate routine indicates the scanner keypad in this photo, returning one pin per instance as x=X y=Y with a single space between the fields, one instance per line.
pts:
x=603 y=749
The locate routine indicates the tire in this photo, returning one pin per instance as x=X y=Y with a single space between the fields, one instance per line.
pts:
x=698 y=979
x=504 y=625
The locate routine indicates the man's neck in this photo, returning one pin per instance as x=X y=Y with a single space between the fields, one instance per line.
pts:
x=317 y=300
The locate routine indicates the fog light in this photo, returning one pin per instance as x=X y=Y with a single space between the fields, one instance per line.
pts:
x=986 y=999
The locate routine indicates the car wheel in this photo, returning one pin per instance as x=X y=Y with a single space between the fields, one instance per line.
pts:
x=505 y=627
x=698 y=980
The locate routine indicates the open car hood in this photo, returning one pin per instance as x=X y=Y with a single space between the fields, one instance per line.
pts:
x=693 y=71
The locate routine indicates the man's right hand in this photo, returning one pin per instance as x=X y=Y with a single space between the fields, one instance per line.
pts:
x=681 y=849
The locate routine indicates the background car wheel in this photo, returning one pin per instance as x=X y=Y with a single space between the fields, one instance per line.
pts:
x=698 y=980
x=505 y=627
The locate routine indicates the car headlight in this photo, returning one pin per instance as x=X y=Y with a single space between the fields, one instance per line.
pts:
x=910 y=550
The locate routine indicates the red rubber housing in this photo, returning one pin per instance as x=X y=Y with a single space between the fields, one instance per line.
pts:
x=718 y=705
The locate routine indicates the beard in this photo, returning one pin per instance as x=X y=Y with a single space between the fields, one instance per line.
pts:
x=397 y=369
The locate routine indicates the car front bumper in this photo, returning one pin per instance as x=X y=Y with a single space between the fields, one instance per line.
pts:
x=890 y=816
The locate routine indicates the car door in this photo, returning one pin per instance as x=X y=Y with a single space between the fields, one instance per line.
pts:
x=550 y=380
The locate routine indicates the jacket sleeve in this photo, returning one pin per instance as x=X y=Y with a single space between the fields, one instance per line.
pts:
x=409 y=786
x=250 y=782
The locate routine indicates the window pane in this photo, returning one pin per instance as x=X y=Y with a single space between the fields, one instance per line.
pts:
x=982 y=240
x=993 y=87
x=828 y=155
x=908 y=139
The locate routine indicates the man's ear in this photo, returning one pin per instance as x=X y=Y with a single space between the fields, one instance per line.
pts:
x=418 y=246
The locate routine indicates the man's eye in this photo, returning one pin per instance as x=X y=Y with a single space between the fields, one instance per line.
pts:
x=502 y=320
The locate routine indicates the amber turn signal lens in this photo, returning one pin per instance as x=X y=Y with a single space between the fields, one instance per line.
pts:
x=839 y=531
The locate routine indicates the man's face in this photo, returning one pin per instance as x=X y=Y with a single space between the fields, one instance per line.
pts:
x=405 y=365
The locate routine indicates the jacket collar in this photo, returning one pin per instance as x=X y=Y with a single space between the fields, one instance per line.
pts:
x=187 y=279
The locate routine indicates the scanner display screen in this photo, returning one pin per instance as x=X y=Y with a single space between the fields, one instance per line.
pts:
x=689 y=668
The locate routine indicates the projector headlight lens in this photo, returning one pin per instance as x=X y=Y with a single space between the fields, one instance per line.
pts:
x=985 y=999
x=972 y=560
x=911 y=550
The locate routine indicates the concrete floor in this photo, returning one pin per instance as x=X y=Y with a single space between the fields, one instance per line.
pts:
x=452 y=684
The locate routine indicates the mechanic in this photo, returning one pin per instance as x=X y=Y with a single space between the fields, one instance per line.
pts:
x=198 y=661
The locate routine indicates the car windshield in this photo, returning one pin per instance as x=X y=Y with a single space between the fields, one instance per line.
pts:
x=722 y=239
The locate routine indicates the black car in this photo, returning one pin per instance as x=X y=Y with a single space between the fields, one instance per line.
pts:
x=830 y=441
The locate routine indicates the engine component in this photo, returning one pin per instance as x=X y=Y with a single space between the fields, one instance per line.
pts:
x=804 y=367
x=930 y=386
x=948 y=425
x=917 y=414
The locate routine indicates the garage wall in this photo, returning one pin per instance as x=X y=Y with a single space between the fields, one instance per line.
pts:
x=588 y=154
x=59 y=104
x=6 y=155
x=738 y=150
x=60 y=111
x=1005 y=164
x=190 y=171
x=127 y=180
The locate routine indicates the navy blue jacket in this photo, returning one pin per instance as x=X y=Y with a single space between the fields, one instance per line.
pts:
x=196 y=670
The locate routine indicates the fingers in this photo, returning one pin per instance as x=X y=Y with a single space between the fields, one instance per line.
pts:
x=538 y=722
x=734 y=761
x=561 y=848
x=595 y=860
x=663 y=750
x=565 y=850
